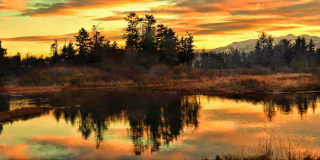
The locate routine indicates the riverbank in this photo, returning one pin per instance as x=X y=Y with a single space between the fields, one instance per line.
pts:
x=176 y=80
x=217 y=85
x=248 y=84
x=23 y=113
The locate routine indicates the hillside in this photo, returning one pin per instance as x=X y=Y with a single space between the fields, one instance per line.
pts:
x=248 y=45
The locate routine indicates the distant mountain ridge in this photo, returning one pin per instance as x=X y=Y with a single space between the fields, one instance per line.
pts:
x=248 y=45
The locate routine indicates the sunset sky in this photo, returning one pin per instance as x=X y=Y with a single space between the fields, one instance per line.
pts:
x=32 y=25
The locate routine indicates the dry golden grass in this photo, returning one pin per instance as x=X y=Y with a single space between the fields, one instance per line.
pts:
x=271 y=148
x=241 y=84
x=178 y=79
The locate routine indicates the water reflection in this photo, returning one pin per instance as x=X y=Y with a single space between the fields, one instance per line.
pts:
x=153 y=121
x=284 y=103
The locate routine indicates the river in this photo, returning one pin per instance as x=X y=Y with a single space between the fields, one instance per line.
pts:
x=141 y=124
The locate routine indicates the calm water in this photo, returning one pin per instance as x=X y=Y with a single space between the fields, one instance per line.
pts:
x=101 y=124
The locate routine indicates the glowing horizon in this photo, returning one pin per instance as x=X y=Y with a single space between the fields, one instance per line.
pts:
x=32 y=25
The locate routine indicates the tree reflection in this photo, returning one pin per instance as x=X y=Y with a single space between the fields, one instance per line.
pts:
x=154 y=120
x=285 y=103
x=162 y=124
x=1 y=128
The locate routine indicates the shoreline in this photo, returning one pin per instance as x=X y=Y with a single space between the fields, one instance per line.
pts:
x=23 y=113
x=169 y=89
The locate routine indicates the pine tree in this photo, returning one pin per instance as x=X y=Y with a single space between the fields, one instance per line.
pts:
x=54 y=51
x=3 y=53
x=83 y=42
x=71 y=53
x=132 y=35
x=148 y=55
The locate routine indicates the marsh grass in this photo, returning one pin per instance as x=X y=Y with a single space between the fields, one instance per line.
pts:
x=179 y=78
x=271 y=148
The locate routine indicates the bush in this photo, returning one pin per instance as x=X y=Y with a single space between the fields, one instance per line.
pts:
x=180 y=69
x=159 y=69
x=283 y=69
x=249 y=83
x=196 y=73
x=36 y=80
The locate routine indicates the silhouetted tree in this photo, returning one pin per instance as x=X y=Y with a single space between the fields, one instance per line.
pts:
x=132 y=35
x=246 y=59
x=235 y=58
x=148 y=56
x=160 y=37
x=3 y=53
x=54 y=52
x=64 y=52
x=97 y=44
x=71 y=53
x=317 y=56
x=311 y=53
x=167 y=43
x=300 y=51
x=283 y=53
x=264 y=50
x=83 y=42
x=15 y=61
x=115 y=53
x=185 y=50
x=170 y=43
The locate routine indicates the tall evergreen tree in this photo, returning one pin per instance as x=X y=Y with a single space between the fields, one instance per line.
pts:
x=83 y=42
x=264 y=50
x=235 y=58
x=54 y=51
x=132 y=35
x=148 y=46
x=317 y=56
x=186 y=50
x=283 y=53
x=3 y=53
x=64 y=52
x=300 y=52
x=311 y=53
x=160 y=38
x=170 y=44
x=71 y=52
x=96 y=45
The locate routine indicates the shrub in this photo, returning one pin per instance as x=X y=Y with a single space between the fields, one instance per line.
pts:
x=159 y=69
x=180 y=69
x=36 y=80
x=249 y=83
x=153 y=77
x=196 y=73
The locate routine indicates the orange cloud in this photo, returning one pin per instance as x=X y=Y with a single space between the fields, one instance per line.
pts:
x=41 y=38
x=114 y=148
x=110 y=18
x=227 y=20
x=60 y=38
x=13 y=5
x=74 y=6
x=14 y=152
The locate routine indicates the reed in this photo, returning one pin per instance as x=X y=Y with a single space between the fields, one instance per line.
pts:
x=271 y=148
x=179 y=79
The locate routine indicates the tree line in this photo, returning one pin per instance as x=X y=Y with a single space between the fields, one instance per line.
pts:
x=147 y=44
x=267 y=53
